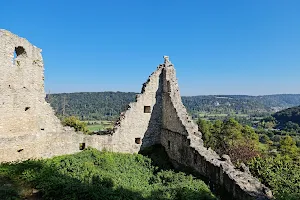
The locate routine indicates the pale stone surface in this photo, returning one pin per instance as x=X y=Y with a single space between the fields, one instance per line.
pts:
x=22 y=104
x=183 y=143
x=29 y=128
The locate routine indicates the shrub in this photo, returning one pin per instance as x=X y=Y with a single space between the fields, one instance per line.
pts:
x=280 y=173
x=74 y=122
x=92 y=174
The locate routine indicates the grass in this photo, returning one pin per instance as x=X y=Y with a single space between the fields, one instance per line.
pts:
x=92 y=174
x=99 y=125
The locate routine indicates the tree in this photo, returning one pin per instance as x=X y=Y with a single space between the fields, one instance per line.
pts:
x=291 y=127
x=249 y=134
x=288 y=146
x=230 y=134
x=74 y=122
x=230 y=137
x=264 y=139
x=243 y=153
x=205 y=128
x=280 y=173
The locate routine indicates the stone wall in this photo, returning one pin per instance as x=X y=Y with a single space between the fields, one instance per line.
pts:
x=184 y=146
x=29 y=128
x=142 y=120
x=22 y=104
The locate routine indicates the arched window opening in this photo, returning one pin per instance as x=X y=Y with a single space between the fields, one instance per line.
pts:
x=19 y=53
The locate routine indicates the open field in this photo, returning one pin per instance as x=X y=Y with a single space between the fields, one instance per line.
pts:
x=99 y=125
x=202 y=114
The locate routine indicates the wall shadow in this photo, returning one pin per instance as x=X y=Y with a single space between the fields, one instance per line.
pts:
x=152 y=134
x=161 y=160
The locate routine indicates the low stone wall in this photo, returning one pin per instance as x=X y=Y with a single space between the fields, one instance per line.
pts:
x=241 y=185
x=184 y=146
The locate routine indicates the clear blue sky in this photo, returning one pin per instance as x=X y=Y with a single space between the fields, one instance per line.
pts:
x=217 y=46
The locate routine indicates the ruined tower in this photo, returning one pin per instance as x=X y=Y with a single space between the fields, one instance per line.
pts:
x=23 y=108
x=29 y=128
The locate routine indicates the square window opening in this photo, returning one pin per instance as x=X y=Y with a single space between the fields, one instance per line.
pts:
x=147 y=109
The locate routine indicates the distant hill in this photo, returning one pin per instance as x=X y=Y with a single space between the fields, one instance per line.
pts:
x=91 y=105
x=108 y=105
x=240 y=103
x=288 y=115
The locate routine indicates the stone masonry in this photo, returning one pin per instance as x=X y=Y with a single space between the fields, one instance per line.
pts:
x=29 y=128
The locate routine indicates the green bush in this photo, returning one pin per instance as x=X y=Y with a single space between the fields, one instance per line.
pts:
x=74 y=122
x=91 y=174
x=280 y=173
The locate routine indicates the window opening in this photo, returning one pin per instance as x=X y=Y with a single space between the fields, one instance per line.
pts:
x=81 y=146
x=147 y=109
x=138 y=140
x=19 y=52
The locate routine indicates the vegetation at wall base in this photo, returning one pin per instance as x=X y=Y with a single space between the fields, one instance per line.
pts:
x=229 y=137
x=277 y=165
x=246 y=128
x=92 y=174
x=280 y=173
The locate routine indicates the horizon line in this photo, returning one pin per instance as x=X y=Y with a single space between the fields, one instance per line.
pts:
x=184 y=95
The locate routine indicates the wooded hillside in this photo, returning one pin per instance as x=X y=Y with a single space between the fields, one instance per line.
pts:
x=108 y=105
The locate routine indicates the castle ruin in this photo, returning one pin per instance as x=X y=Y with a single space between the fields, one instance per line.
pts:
x=29 y=128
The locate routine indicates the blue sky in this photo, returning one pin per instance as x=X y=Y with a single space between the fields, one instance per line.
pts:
x=217 y=47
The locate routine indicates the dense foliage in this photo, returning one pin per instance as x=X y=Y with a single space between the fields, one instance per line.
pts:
x=282 y=123
x=288 y=119
x=229 y=137
x=74 y=122
x=280 y=173
x=276 y=164
x=91 y=105
x=108 y=105
x=99 y=175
